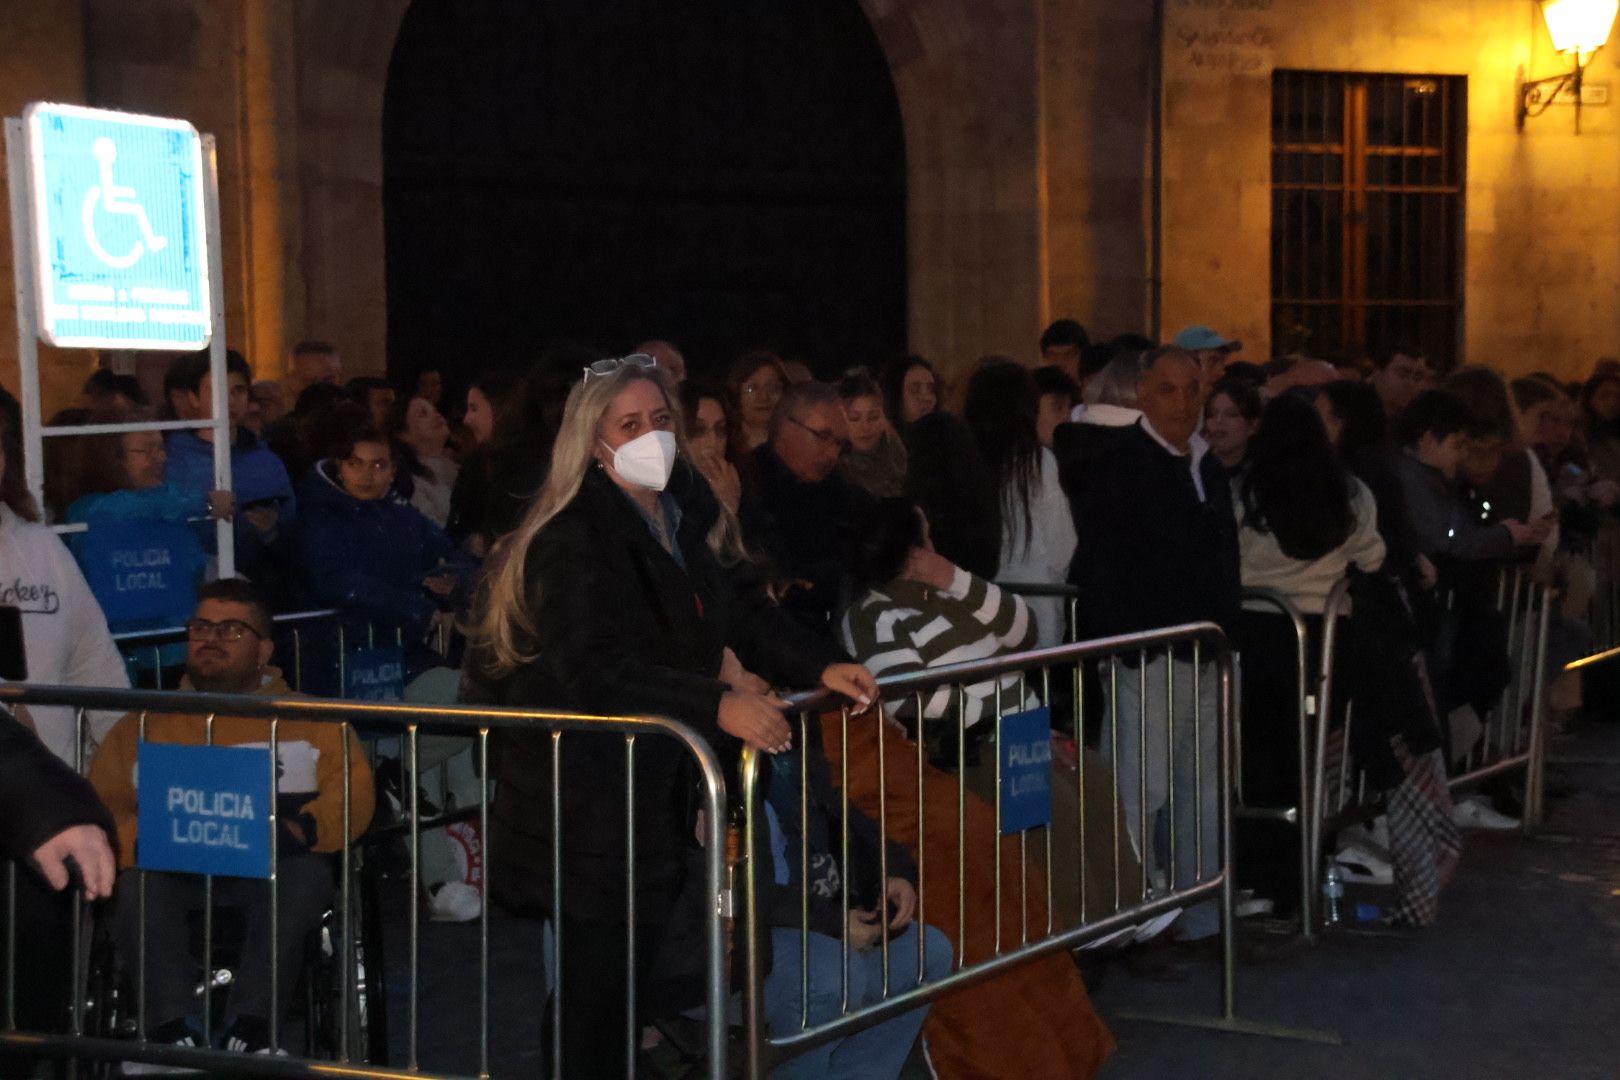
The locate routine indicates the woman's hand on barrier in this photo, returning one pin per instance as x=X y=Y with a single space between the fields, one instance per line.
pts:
x=87 y=846
x=734 y=675
x=902 y=902
x=864 y=929
x=221 y=504
x=1532 y=534
x=853 y=681
x=756 y=719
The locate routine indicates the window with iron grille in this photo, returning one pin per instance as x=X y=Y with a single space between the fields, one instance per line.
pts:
x=1367 y=213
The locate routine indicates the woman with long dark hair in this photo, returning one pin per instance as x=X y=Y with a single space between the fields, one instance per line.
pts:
x=1353 y=415
x=1035 y=527
x=1303 y=519
x=1303 y=522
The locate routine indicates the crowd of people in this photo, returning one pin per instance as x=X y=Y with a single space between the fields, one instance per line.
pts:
x=609 y=535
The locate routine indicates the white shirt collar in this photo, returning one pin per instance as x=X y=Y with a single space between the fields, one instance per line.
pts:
x=1197 y=447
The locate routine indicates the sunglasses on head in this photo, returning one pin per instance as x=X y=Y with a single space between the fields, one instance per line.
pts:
x=603 y=368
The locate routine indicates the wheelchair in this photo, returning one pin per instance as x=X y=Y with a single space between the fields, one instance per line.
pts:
x=315 y=1027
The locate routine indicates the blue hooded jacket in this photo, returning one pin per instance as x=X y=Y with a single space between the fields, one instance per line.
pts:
x=257 y=474
x=369 y=557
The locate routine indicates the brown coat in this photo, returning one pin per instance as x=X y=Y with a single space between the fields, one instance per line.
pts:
x=113 y=770
x=1035 y=1020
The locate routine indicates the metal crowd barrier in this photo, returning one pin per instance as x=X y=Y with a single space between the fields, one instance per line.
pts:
x=1513 y=737
x=77 y=1043
x=1309 y=695
x=1211 y=674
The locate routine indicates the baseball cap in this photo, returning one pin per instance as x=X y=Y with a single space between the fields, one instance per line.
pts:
x=1195 y=338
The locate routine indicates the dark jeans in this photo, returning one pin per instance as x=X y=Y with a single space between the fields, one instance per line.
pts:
x=304 y=891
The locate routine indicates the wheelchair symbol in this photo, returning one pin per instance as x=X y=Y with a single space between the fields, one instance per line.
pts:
x=112 y=198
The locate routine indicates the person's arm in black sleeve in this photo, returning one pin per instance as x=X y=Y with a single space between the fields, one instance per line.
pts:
x=39 y=794
x=776 y=646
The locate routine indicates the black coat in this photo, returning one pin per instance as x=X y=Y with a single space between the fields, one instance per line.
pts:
x=808 y=531
x=1151 y=553
x=40 y=795
x=623 y=630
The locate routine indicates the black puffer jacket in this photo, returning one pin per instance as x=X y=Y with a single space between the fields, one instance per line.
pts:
x=624 y=630
x=39 y=794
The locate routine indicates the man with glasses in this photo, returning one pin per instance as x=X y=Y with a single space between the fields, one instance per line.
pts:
x=228 y=652
x=797 y=506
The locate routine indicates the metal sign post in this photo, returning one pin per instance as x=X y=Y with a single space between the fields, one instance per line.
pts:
x=115 y=242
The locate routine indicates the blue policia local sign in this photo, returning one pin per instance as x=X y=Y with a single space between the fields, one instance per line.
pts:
x=204 y=810
x=1026 y=770
x=120 y=234
x=375 y=674
x=142 y=570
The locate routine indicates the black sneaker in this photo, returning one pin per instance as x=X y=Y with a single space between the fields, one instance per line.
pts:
x=175 y=1033
x=250 y=1035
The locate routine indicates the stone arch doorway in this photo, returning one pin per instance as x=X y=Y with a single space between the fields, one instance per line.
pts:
x=727 y=175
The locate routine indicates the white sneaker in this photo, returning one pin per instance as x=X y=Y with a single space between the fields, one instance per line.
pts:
x=1247 y=905
x=1473 y=813
x=1156 y=925
x=1360 y=863
x=455 y=901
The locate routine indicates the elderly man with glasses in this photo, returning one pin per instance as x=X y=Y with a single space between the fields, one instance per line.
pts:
x=228 y=652
x=798 y=508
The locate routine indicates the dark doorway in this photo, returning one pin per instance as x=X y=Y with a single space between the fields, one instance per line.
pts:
x=728 y=174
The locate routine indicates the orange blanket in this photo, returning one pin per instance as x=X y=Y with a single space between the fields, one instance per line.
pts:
x=1033 y=1021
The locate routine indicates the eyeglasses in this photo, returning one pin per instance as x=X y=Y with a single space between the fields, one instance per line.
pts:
x=379 y=466
x=603 y=368
x=825 y=438
x=226 y=630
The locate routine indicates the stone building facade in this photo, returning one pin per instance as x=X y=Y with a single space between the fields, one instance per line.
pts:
x=1106 y=160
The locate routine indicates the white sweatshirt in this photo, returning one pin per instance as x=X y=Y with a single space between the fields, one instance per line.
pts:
x=1307 y=584
x=64 y=632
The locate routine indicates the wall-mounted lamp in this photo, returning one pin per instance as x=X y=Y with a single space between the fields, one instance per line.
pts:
x=1578 y=28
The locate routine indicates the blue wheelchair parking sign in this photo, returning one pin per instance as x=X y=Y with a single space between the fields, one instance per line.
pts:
x=120 y=236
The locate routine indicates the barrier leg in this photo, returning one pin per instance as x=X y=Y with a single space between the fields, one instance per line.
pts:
x=1227 y=1020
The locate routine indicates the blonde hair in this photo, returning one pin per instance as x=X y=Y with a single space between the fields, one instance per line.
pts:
x=505 y=631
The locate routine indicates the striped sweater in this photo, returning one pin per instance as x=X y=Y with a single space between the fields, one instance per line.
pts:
x=907 y=626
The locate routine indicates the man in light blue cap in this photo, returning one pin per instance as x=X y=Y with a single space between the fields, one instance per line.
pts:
x=1211 y=350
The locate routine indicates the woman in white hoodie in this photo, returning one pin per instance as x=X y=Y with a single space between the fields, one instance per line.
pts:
x=65 y=634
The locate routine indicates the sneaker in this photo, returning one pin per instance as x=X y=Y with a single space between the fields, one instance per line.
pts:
x=1247 y=905
x=454 y=901
x=1472 y=813
x=175 y=1033
x=250 y=1035
x=1360 y=863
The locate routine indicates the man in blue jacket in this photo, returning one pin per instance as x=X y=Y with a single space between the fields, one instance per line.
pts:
x=264 y=492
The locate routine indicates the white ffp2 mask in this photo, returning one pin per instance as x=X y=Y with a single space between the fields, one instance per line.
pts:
x=647 y=460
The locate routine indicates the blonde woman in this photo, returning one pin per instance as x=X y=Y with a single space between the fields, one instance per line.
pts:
x=608 y=600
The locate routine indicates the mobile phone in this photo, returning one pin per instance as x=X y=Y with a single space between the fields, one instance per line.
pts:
x=13 y=653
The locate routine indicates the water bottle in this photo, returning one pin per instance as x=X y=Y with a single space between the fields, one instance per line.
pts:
x=1332 y=893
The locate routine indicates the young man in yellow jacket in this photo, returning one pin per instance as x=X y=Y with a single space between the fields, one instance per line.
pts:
x=228 y=652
